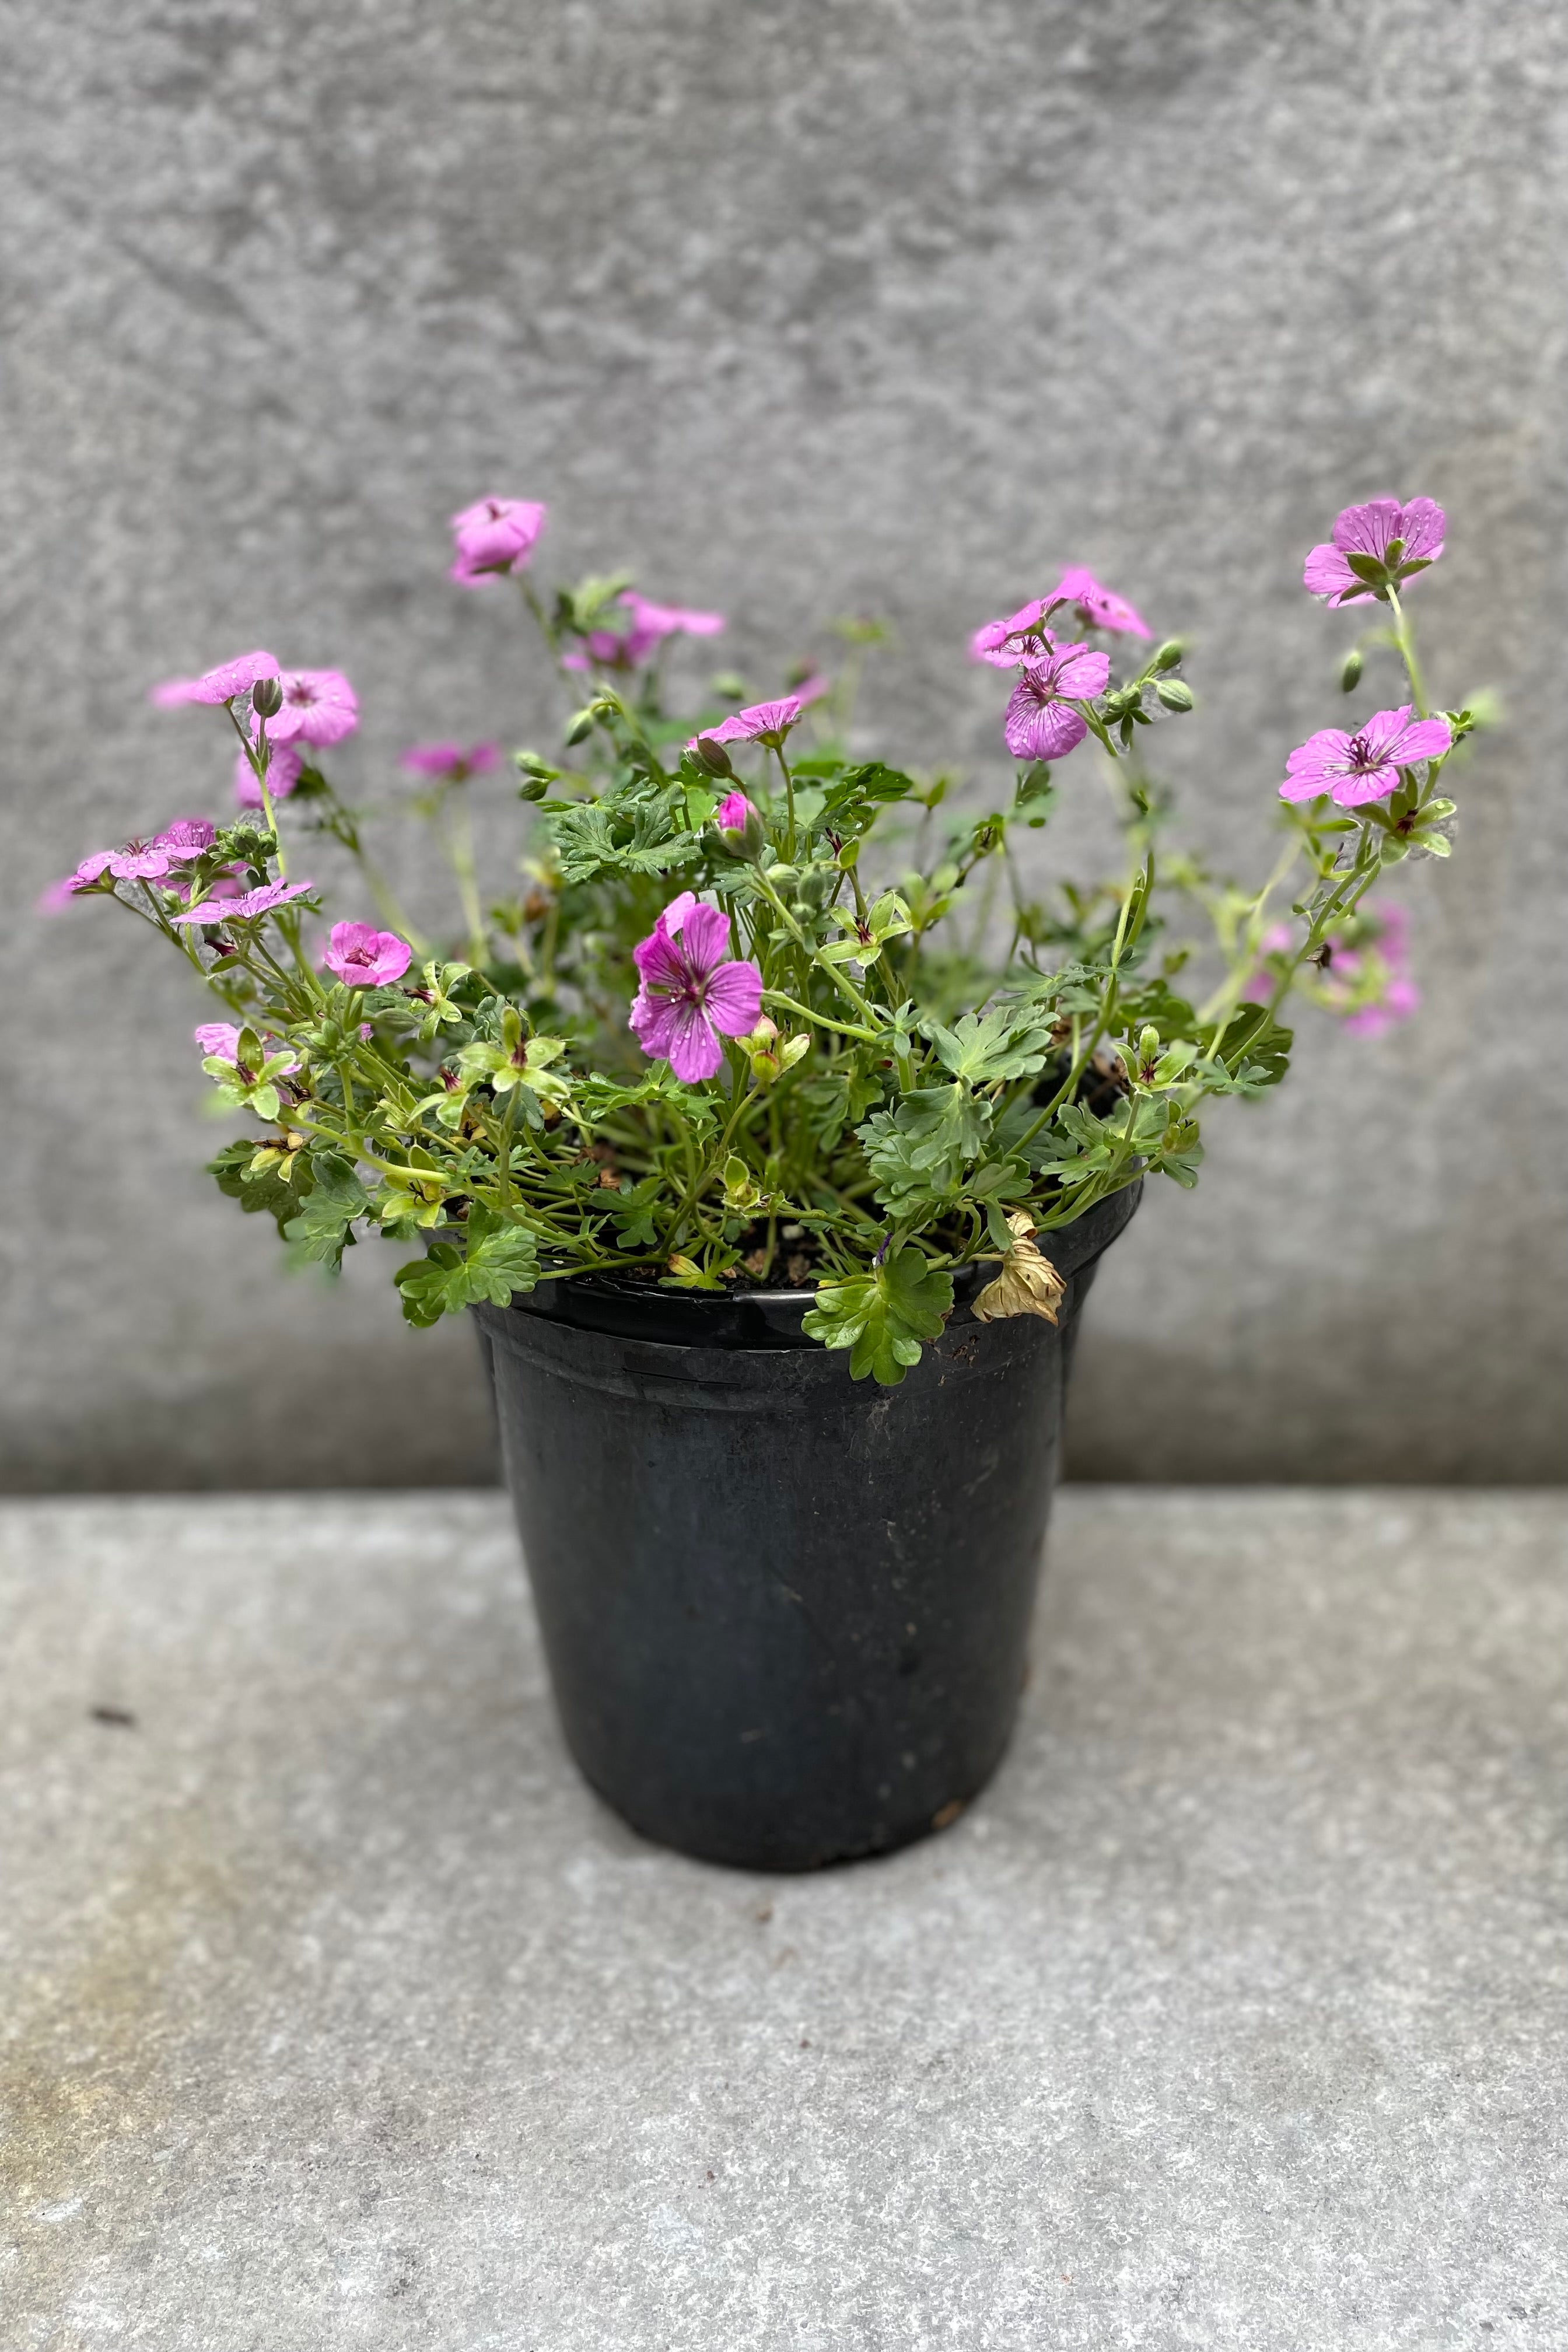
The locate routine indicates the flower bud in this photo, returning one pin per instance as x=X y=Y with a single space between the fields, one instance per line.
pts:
x=1174 y=693
x=1168 y=654
x=579 y=727
x=782 y=878
x=709 y=754
x=529 y=764
x=267 y=696
x=741 y=827
x=1350 y=676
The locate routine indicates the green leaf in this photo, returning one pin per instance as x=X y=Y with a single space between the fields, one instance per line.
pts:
x=323 y=1228
x=889 y=917
x=1076 y=988
x=839 y=1099
x=1254 y=1041
x=621 y=834
x=872 y=784
x=266 y=1190
x=883 y=1316
x=632 y=1210
x=1180 y=1152
x=918 y=1152
x=983 y=1048
x=500 y=1259
x=1155 y=1004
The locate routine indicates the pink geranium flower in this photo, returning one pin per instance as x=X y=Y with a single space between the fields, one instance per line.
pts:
x=451 y=764
x=225 y=684
x=812 y=689
x=1041 y=722
x=1364 y=766
x=763 y=722
x=1345 y=969
x=1399 y=539
x=1101 y=608
x=139 y=861
x=187 y=838
x=364 y=956
x=1399 y=1000
x=733 y=812
x=1007 y=645
x=494 y=536
x=319 y=706
x=1398 y=996
x=247 y=907
x=282 y=775
x=651 y=625
x=671 y=620
x=607 y=649
x=693 y=991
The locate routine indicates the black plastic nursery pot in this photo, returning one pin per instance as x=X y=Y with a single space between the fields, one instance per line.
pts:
x=785 y=1613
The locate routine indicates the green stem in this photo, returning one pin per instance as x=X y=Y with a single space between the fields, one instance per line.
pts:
x=845 y=986
x=459 y=846
x=260 y=755
x=509 y=1122
x=1125 y=940
x=839 y=1028
x=1405 y=640
x=789 y=801
x=1335 y=907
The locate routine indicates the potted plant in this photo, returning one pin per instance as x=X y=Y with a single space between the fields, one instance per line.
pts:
x=772 y=1128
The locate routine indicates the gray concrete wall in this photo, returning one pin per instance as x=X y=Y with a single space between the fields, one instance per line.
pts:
x=803 y=309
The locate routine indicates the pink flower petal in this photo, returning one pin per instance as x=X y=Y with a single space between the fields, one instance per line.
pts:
x=1367 y=785
x=652 y=1019
x=1101 y=605
x=733 y=997
x=659 y=621
x=1080 y=674
x=1036 y=730
x=694 y=1052
x=247 y=907
x=494 y=536
x=1367 y=530
x=1326 y=574
x=362 y=957
x=1421 y=524
x=319 y=707
x=282 y=775
x=704 y=936
x=454 y=760
x=225 y=684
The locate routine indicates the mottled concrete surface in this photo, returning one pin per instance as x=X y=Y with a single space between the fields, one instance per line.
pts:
x=337 y=2011
x=802 y=309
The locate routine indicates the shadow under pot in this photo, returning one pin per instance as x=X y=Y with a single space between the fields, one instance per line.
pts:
x=785 y=1613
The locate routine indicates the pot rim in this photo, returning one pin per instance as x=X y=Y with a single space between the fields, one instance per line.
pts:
x=621 y=1309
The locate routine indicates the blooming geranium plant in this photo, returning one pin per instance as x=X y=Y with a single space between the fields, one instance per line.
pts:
x=764 y=1010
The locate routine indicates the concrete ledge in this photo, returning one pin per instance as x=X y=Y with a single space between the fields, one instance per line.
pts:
x=337 y=2012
